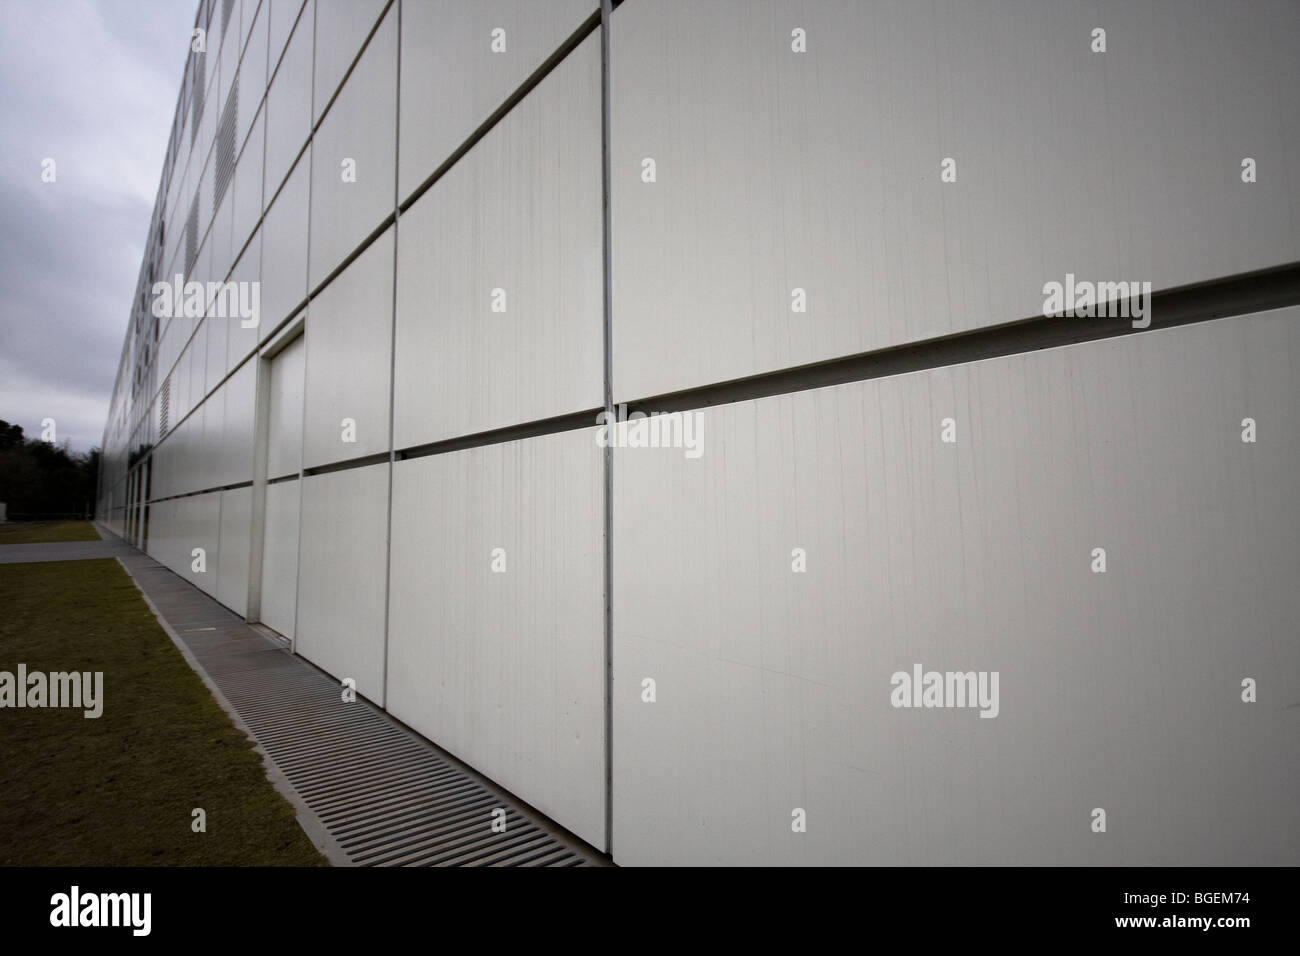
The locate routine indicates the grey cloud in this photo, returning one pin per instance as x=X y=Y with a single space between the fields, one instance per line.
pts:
x=93 y=86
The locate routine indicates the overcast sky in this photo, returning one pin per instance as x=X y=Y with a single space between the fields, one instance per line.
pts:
x=91 y=84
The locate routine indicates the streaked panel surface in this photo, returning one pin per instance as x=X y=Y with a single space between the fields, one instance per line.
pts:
x=353 y=155
x=820 y=171
x=451 y=78
x=342 y=571
x=284 y=417
x=349 y=345
x=281 y=17
x=505 y=668
x=280 y=557
x=213 y=330
x=499 y=272
x=232 y=573
x=252 y=71
x=341 y=27
x=197 y=525
x=247 y=186
x=241 y=341
x=233 y=457
x=284 y=249
x=209 y=461
x=1119 y=690
x=288 y=102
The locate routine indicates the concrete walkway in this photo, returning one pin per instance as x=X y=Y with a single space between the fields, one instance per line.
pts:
x=63 y=551
x=368 y=790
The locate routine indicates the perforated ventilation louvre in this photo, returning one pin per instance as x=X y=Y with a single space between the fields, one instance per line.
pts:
x=226 y=144
x=196 y=100
x=164 y=405
x=192 y=236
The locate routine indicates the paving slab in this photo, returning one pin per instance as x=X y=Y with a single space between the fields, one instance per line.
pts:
x=61 y=551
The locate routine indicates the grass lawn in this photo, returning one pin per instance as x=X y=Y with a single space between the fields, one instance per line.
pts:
x=118 y=790
x=39 y=532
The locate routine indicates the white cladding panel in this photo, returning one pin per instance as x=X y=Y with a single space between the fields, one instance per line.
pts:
x=241 y=340
x=284 y=416
x=349 y=349
x=232 y=572
x=284 y=250
x=280 y=556
x=353 y=155
x=210 y=460
x=342 y=572
x=283 y=14
x=288 y=100
x=1119 y=690
x=820 y=171
x=452 y=79
x=247 y=187
x=505 y=668
x=233 y=457
x=161 y=524
x=213 y=330
x=499 y=271
x=219 y=238
x=197 y=525
x=252 y=73
x=341 y=27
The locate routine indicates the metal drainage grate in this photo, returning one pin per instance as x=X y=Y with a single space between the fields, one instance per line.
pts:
x=387 y=796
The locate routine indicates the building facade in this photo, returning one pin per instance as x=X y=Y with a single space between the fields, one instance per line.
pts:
x=964 y=527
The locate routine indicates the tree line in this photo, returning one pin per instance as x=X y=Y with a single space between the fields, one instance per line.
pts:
x=38 y=479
